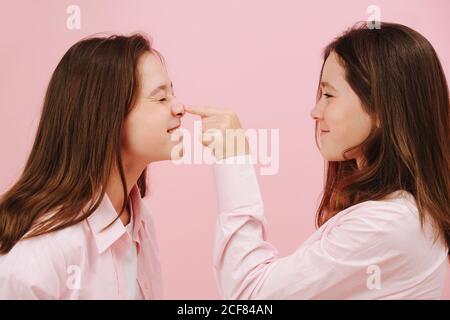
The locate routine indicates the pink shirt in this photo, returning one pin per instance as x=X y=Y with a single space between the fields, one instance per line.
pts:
x=372 y=250
x=83 y=262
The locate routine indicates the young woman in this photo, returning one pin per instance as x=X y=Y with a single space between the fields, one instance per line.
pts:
x=382 y=125
x=74 y=225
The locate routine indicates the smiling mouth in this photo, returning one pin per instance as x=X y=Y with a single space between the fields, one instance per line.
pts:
x=171 y=130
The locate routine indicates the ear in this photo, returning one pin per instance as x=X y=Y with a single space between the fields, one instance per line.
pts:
x=377 y=122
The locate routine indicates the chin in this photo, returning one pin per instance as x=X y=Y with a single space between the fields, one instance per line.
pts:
x=328 y=156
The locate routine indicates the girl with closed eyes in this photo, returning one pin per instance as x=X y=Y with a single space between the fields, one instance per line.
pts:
x=74 y=225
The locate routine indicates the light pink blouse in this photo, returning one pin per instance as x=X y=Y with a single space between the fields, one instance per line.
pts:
x=83 y=262
x=372 y=250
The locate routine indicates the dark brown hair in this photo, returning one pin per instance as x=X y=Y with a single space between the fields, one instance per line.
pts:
x=77 y=145
x=397 y=75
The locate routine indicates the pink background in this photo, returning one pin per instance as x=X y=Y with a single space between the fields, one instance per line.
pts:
x=261 y=58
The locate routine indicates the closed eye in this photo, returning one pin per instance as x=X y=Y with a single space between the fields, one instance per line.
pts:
x=327 y=95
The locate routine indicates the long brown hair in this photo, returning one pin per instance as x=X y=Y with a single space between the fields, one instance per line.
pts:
x=397 y=75
x=77 y=145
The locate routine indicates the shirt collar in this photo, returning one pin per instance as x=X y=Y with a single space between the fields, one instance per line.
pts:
x=105 y=215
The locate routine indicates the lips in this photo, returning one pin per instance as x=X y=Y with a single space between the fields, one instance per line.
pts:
x=173 y=129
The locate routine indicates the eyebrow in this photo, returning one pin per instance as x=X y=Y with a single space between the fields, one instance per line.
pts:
x=161 y=87
x=327 y=84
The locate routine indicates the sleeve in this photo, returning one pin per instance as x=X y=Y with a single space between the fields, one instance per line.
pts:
x=331 y=263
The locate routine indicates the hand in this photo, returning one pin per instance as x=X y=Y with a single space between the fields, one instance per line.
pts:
x=221 y=131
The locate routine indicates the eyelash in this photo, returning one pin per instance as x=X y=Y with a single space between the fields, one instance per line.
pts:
x=327 y=95
x=165 y=99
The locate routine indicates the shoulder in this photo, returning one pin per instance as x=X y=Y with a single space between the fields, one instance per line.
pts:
x=396 y=210
x=387 y=228
x=39 y=265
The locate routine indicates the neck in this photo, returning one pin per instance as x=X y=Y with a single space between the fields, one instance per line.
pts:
x=114 y=188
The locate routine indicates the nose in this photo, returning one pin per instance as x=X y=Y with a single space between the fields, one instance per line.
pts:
x=317 y=112
x=177 y=108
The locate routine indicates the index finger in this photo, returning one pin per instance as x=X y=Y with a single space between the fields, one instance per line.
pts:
x=203 y=111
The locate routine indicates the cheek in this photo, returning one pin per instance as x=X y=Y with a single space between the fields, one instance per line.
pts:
x=144 y=132
x=336 y=119
x=349 y=126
